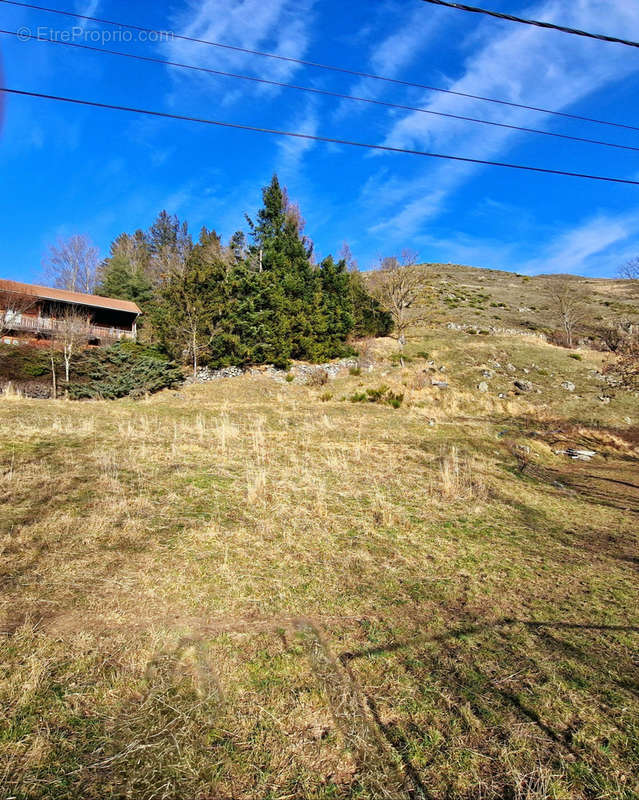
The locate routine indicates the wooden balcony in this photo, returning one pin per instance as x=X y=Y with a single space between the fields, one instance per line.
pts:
x=47 y=327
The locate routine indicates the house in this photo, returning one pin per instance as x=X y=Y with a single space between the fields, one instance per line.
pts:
x=39 y=313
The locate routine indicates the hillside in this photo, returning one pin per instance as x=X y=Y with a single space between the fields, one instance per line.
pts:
x=264 y=588
x=485 y=298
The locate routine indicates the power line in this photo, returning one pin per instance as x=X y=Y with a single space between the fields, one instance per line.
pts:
x=317 y=65
x=315 y=138
x=165 y=62
x=551 y=25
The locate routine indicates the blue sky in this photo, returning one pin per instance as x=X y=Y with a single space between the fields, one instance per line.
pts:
x=65 y=169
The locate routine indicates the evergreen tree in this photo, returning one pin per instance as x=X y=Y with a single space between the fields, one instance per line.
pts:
x=170 y=245
x=369 y=318
x=337 y=308
x=123 y=273
x=191 y=310
x=289 y=289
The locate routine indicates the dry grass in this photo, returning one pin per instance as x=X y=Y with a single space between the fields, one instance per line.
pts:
x=240 y=591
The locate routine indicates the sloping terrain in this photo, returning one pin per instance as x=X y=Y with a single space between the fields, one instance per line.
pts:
x=485 y=298
x=254 y=588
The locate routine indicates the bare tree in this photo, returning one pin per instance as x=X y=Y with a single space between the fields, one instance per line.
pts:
x=73 y=264
x=400 y=287
x=346 y=254
x=630 y=270
x=71 y=331
x=12 y=306
x=570 y=302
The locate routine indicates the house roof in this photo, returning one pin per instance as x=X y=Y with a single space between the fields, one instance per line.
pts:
x=64 y=296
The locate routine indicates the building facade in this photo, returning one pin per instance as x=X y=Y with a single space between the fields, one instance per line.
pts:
x=37 y=314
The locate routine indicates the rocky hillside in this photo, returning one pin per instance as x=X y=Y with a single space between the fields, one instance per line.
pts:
x=486 y=299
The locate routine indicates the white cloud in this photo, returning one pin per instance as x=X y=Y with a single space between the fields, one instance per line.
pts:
x=595 y=246
x=292 y=150
x=516 y=63
x=87 y=9
x=278 y=26
x=598 y=245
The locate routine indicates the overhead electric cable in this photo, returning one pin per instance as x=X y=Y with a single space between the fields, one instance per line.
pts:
x=165 y=62
x=317 y=65
x=538 y=23
x=314 y=138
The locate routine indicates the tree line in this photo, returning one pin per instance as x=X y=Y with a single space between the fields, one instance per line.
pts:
x=260 y=298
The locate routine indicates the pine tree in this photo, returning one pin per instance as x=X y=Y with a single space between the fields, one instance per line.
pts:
x=123 y=273
x=170 y=245
x=369 y=318
x=337 y=307
x=192 y=304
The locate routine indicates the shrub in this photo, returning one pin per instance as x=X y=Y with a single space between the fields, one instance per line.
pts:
x=576 y=356
x=381 y=395
x=121 y=370
x=326 y=396
x=290 y=377
x=318 y=377
x=355 y=371
x=358 y=397
x=422 y=354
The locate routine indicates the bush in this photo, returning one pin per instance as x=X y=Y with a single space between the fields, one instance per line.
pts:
x=318 y=377
x=290 y=377
x=121 y=370
x=381 y=395
x=576 y=356
x=326 y=396
x=354 y=371
x=24 y=362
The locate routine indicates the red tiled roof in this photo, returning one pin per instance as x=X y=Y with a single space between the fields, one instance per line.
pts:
x=64 y=296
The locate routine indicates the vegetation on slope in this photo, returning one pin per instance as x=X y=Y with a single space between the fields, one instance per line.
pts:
x=242 y=591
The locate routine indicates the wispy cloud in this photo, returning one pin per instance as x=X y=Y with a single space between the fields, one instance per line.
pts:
x=292 y=151
x=87 y=9
x=521 y=66
x=596 y=246
x=280 y=26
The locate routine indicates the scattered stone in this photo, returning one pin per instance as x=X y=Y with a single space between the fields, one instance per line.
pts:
x=303 y=373
x=511 y=368
x=487 y=373
x=523 y=386
x=526 y=370
x=483 y=386
x=569 y=386
x=604 y=399
x=440 y=384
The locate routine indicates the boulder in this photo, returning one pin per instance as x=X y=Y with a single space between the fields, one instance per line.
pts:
x=569 y=386
x=483 y=386
x=523 y=386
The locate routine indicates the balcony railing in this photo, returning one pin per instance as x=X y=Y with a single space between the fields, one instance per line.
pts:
x=46 y=325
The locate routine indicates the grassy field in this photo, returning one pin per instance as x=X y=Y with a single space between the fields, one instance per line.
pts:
x=248 y=589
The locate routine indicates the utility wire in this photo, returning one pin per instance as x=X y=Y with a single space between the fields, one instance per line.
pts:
x=538 y=23
x=317 y=65
x=314 y=138
x=28 y=36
